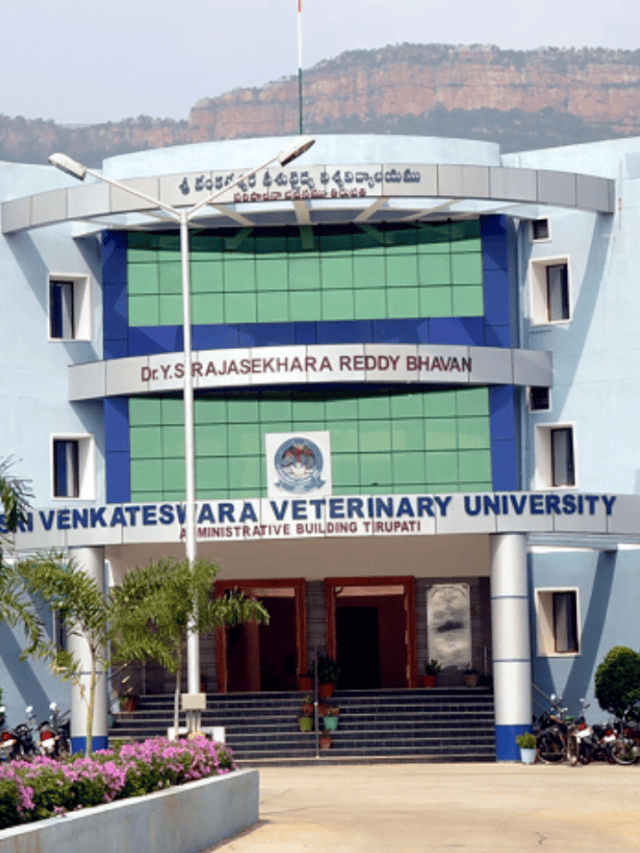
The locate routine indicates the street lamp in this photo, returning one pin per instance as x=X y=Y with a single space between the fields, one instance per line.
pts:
x=183 y=216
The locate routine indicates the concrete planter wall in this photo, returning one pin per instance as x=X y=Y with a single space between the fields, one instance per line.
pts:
x=184 y=819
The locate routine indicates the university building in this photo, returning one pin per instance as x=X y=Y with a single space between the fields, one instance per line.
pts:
x=415 y=371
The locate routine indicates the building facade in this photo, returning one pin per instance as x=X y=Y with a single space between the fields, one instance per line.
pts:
x=414 y=370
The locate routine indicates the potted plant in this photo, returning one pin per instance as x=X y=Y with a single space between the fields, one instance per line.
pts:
x=431 y=670
x=325 y=740
x=471 y=677
x=305 y=723
x=128 y=702
x=330 y=719
x=307 y=706
x=328 y=671
x=528 y=747
x=305 y=679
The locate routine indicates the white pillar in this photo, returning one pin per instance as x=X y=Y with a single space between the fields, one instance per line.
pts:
x=91 y=561
x=511 y=646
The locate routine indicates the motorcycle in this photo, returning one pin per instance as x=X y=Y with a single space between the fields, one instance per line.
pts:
x=552 y=733
x=54 y=734
x=19 y=742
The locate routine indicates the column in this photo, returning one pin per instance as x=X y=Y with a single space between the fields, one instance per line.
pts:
x=511 y=648
x=91 y=561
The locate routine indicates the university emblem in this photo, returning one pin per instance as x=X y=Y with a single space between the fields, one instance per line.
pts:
x=299 y=463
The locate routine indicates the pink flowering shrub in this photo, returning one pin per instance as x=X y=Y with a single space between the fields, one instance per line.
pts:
x=44 y=787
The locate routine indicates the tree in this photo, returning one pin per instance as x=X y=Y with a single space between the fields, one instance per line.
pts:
x=155 y=605
x=618 y=680
x=82 y=608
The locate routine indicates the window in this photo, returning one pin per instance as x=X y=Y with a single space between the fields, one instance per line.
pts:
x=557 y=616
x=539 y=399
x=555 y=462
x=550 y=291
x=69 y=308
x=73 y=467
x=540 y=229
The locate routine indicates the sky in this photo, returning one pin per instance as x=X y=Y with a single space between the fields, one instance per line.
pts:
x=82 y=63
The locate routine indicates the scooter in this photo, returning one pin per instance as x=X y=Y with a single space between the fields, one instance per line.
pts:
x=54 y=739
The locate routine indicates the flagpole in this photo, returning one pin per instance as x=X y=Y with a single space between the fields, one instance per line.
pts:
x=300 y=62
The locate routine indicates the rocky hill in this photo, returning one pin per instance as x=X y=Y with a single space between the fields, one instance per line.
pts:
x=521 y=99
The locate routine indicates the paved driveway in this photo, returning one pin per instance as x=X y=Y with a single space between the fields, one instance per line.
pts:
x=406 y=808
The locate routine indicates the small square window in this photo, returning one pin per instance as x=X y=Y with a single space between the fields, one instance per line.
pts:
x=69 y=308
x=73 y=467
x=557 y=613
x=550 y=291
x=540 y=229
x=555 y=457
x=539 y=398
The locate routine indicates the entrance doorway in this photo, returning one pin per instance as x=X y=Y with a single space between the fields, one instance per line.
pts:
x=371 y=631
x=253 y=657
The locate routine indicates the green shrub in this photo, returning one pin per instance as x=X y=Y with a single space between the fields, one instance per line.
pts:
x=618 y=680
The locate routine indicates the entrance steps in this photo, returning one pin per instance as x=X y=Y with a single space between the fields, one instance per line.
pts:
x=433 y=724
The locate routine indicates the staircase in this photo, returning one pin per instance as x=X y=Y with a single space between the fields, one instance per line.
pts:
x=437 y=724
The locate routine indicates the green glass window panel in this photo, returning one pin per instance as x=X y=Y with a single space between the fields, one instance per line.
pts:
x=146 y=497
x=474 y=433
x=167 y=244
x=472 y=401
x=346 y=470
x=434 y=270
x=240 y=308
x=239 y=275
x=305 y=306
x=373 y=407
x=172 y=411
x=409 y=468
x=272 y=274
x=146 y=442
x=337 y=272
x=337 y=305
x=144 y=411
x=271 y=246
x=485 y=486
x=432 y=235
x=466 y=269
x=475 y=465
x=468 y=301
x=403 y=302
x=369 y=271
x=467 y=245
x=305 y=426
x=143 y=255
x=173 y=495
x=173 y=441
x=173 y=475
x=208 y=411
x=406 y=405
x=211 y=473
x=243 y=411
x=207 y=277
x=368 y=243
x=304 y=273
x=436 y=302
x=170 y=277
x=170 y=310
x=273 y=307
x=400 y=240
x=464 y=229
x=142 y=278
x=278 y=426
x=402 y=270
x=308 y=410
x=139 y=240
x=202 y=246
x=275 y=410
x=244 y=473
x=370 y=304
x=442 y=468
x=407 y=434
x=144 y=310
x=211 y=440
x=439 y=404
x=374 y=436
x=336 y=243
x=344 y=437
x=375 y=469
x=207 y=308
x=440 y=434
x=146 y=474
x=342 y=409
x=242 y=244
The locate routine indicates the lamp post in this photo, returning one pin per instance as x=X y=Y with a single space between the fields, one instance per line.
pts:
x=183 y=216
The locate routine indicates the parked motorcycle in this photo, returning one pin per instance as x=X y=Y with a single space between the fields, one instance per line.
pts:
x=552 y=733
x=54 y=734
